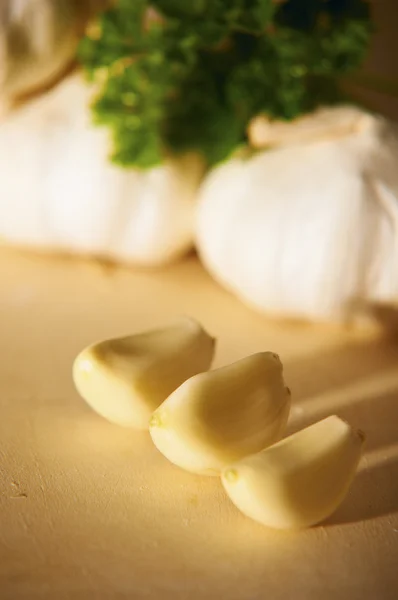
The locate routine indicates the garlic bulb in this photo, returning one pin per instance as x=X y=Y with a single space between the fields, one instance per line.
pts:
x=311 y=226
x=59 y=191
x=37 y=39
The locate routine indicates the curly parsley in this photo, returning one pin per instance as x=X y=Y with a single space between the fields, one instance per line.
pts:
x=183 y=75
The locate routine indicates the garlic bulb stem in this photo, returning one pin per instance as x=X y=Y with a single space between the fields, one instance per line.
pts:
x=323 y=124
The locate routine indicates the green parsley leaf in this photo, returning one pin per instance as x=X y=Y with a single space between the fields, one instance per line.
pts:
x=178 y=75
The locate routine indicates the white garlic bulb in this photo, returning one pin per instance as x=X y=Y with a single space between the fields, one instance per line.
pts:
x=37 y=39
x=308 y=228
x=58 y=189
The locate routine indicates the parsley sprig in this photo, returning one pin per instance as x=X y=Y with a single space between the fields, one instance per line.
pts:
x=188 y=75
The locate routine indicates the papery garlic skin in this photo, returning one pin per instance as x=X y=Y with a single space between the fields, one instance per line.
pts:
x=307 y=229
x=126 y=379
x=220 y=416
x=38 y=38
x=59 y=191
x=301 y=480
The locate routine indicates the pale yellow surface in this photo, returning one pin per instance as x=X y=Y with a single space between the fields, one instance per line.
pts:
x=90 y=510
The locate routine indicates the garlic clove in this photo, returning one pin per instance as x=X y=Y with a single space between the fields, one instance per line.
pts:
x=223 y=415
x=299 y=481
x=126 y=379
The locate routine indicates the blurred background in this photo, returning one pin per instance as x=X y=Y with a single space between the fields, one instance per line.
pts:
x=377 y=84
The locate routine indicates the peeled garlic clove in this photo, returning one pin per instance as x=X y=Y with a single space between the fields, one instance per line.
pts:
x=220 y=416
x=299 y=481
x=126 y=379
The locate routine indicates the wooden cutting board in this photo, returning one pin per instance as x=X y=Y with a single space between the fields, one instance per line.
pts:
x=90 y=510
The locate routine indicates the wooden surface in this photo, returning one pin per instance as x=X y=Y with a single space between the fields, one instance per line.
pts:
x=90 y=510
